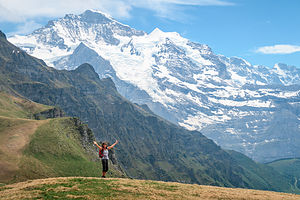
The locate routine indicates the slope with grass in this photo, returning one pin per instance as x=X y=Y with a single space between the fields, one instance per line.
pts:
x=261 y=172
x=11 y=106
x=288 y=167
x=32 y=148
x=14 y=136
x=113 y=188
x=16 y=128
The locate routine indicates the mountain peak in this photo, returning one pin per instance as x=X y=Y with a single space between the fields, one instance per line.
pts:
x=100 y=12
x=85 y=66
x=2 y=35
x=95 y=17
x=158 y=34
x=156 y=31
x=284 y=67
x=88 y=70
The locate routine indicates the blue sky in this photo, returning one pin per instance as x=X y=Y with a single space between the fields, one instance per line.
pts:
x=261 y=31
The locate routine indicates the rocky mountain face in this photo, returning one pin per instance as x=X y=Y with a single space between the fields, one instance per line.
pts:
x=51 y=113
x=251 y=109
x=150 y=147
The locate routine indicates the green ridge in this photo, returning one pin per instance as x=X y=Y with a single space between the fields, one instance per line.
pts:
x=14 y=107
x=263 y=176
x=288 y=167
x=58 y=147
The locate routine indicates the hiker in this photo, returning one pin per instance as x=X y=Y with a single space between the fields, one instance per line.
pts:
x=103 y=154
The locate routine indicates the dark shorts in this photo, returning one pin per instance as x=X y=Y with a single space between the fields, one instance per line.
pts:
x=105 y=165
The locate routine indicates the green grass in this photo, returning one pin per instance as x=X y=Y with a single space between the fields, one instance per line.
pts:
x=80 y=189
x=162 y=186
x=264 y=176
x=11 y=106
x=4 y=188
x=6 y=123
x=117 y=188
x=290 y=168
x=287 y=166
x=55 y=150
x=57 y=146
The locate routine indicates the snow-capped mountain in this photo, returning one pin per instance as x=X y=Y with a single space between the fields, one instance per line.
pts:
x=251 y=109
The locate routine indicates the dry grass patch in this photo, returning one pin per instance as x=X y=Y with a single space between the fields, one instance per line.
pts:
x=17 y=107
x=97 y=188
x=14 y=136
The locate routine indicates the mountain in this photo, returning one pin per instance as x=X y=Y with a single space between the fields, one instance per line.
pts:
x=150 y=147
x=251 y=109
x=116 y=188
x=37 y=141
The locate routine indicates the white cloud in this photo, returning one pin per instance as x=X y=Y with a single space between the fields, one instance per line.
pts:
x=279 y=49
x=21 y=11
x=174 y=9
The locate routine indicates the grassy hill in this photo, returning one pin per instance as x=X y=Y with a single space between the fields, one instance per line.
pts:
x=32 y=148
x=288 y=167
x=14 y=107
x=115 y=188
x=259 y=173
x=16 y=128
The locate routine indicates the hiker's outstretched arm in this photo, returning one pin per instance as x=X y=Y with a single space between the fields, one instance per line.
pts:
x=113 y=144
x=97 y=145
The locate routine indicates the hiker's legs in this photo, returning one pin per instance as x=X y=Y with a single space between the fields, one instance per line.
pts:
x=105 y=166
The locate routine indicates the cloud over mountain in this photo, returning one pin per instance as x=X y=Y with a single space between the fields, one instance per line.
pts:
x=279 y=49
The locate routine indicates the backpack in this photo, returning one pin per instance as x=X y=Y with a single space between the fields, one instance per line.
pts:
x=101 y=153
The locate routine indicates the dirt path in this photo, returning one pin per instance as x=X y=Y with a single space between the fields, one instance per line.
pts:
x=13 y=139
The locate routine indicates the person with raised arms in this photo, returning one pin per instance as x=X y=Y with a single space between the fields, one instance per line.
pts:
x=103 y=154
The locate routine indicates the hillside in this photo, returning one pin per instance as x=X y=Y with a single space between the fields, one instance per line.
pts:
x=112 y=188
x=243 y=107
x=16 y=128
x=288 y=167
x=14 y=107
x=261 y=172
x=31 y=148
